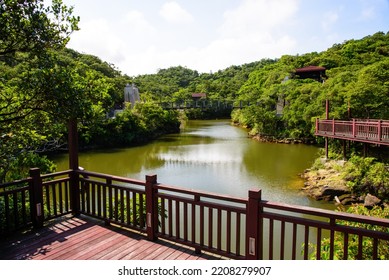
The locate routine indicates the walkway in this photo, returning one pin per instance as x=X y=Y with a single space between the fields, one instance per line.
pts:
x=83 y=238
x=366 y=131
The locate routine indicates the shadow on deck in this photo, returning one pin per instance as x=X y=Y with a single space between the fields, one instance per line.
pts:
x=84 y=238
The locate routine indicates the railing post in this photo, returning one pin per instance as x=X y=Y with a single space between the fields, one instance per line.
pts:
x=151 y=207
x=36 y=196
x=379 y=130
x=254 y=226
x=73 y=165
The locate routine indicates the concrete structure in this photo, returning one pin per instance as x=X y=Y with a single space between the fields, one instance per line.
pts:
x=131 y=94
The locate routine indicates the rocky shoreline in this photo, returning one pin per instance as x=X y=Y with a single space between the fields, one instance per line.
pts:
x=328 y=184
x=273 y=139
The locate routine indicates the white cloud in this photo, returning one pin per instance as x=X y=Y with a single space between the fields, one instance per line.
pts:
x=258 y=17
x=255 y=29
x=136 y=23
x=174 y=13
x=96 y=37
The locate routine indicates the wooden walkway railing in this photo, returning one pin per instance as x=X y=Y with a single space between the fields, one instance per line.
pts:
x=238 y=228
x=367 y=131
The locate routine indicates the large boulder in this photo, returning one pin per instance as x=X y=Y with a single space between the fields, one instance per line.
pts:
x=371 y=201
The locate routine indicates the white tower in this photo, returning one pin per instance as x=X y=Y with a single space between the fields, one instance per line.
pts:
x=131 y=94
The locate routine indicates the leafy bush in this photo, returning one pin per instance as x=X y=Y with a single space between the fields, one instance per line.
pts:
x=366 y=175
x=353 y=241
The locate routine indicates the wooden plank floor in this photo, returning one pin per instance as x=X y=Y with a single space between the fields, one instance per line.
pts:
x=83 y=238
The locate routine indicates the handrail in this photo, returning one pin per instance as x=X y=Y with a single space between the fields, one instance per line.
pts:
x=368 y=131
x=326 y=213
x=241 y=228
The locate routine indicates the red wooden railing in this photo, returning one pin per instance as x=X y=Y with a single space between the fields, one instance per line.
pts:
x=238 y=228
x=368 y=131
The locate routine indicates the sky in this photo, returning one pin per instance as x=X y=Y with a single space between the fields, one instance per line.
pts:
x=143 y=36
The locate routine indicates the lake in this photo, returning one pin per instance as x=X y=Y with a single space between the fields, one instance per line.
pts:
x=212 y=156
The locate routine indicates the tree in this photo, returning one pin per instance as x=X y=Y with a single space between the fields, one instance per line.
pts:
x=30 y=27
x=29 y=32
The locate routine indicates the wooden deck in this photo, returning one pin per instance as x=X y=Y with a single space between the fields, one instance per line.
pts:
x=83 y=238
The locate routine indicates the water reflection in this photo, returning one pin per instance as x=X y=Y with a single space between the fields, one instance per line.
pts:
x=211 y=156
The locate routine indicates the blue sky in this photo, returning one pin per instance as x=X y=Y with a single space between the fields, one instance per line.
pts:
x=140 y=37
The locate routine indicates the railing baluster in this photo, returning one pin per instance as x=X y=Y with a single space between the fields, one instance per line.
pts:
x=116 y=202
x=7 y=214
x=375 y=249
x=141 y=211
x=360 y=247
x=87 y=198
x=194 y=222
x=99 y=195
x=93 y=190
x=282 y=241
x=110 y=210
x=170 y=217
x=185 y=221
x=128 y=207
x=210 y=227
x=345 y=246
x=122 y=212
x=177 y=219
x=294 y=241
x=54 y=198
x=306 y=242
x=60 y=197
x=201 y=225
x=67 y=190
x=48 y=200
x=134 y=203
x=219 y=229
x=271 y=238
x=238 y=222
x=105 y=214
x=15 y=206
x=163 y=219
x=318 y=244
x=332 y=223
x=24 y=212
x=228 y=231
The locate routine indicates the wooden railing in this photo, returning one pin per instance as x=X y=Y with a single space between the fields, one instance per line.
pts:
x=34 y=200
x=368 y=131
x=238 y=228
x=361 y=236
x=113 y=199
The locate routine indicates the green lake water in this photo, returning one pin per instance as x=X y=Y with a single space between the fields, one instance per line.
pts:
x=211 y=156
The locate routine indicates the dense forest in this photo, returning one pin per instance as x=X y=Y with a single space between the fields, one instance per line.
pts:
x=43 y=84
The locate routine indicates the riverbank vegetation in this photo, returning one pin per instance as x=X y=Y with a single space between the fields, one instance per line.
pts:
x=43 y=84
x=362 y=180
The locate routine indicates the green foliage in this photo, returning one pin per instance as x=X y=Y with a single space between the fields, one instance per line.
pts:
x=353 y=241
x=144 y=122
x=366 y=175
x=29 y=26
x=42 y=85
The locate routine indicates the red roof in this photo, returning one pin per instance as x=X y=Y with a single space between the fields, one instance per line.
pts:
x=310 y=69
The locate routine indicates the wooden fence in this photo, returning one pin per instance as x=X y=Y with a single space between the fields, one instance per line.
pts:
x=238 y=228
x=368 y=131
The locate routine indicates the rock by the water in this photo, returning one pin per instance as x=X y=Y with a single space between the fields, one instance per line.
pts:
x=371 y=201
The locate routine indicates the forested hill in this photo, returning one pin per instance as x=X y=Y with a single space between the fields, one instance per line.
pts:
x=357 y=82
x=40 y=91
